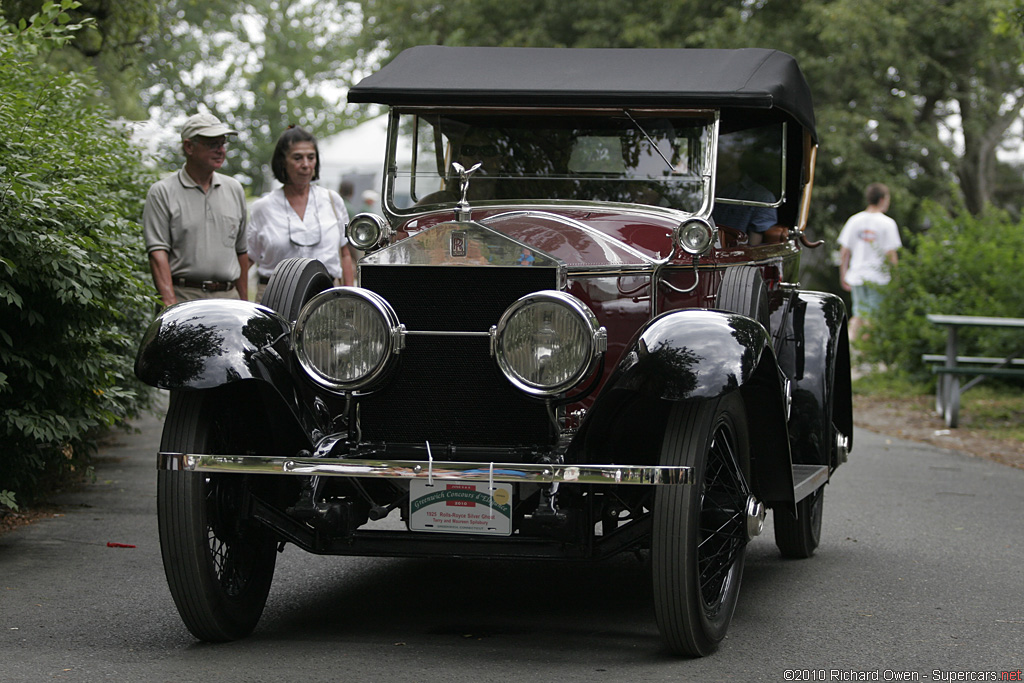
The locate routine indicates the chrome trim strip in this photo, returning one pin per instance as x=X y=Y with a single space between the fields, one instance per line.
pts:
x=423 y=469
x=702 y=266
x=750 y=202
x=666 y=212
x=390 y=171
x=432 y=333
x=607 y=271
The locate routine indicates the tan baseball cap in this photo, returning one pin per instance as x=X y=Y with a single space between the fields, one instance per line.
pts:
x=206 y=125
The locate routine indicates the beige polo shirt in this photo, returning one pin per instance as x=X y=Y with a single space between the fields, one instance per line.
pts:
x=202 y=233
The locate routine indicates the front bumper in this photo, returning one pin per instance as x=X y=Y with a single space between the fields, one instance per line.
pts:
x=429 y=469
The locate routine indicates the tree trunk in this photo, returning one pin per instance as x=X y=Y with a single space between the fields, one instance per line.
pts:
x=983 y=130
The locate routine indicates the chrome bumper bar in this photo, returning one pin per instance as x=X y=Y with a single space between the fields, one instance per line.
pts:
x=418 y=469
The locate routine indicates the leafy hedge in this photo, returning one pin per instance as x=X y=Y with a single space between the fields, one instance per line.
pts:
x=963 y=265
x=74 y=289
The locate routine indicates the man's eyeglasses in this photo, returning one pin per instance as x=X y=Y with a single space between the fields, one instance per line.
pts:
x=215 y=143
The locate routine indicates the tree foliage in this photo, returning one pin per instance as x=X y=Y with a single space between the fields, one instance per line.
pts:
x=965 y=265
x=259 y=65
x=108 y=43
x=928 y=93
x=74 y=296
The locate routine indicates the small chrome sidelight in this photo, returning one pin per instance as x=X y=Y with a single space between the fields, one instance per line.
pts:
x=694 y=236
x=368 y=231
x=548 y=342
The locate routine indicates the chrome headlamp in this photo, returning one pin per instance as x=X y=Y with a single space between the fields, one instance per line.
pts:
x=367 y=231
x=347 y=337
x=547 y=342
x=694 y=236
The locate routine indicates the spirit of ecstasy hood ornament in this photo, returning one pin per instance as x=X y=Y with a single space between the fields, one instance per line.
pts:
x=462 y=212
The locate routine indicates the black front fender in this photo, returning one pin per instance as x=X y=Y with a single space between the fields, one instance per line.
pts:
x=817 y=358
x=211 y=343
x=693 y=355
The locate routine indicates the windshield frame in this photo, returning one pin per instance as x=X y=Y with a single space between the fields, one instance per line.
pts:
x=395 y=135
x=783 y=156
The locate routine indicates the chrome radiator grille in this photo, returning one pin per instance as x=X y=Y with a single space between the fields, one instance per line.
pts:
x=448 y=389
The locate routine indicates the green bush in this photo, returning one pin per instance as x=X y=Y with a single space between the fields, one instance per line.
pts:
x=963 y=265
x=74 y=291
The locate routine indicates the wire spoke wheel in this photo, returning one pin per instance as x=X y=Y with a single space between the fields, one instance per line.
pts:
x=219 y=564
x=699 y=537
x=233 y=561
x=722 y=519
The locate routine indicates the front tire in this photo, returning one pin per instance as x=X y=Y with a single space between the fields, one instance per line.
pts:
x=699 y=536
x=219 y=564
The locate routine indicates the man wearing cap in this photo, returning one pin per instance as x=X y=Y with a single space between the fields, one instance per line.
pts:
x=194 y=221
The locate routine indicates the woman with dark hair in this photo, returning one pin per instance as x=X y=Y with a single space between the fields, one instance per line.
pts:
x=299 y=219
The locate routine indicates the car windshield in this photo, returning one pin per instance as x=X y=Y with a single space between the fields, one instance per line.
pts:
x=634 y=157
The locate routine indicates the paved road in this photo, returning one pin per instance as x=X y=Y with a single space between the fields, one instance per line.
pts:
x=921 y=569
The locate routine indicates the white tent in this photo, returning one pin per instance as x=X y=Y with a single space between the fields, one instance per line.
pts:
x=357 y=154
x=359 y=150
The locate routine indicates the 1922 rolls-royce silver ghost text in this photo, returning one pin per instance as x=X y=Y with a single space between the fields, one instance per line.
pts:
x=577 y=332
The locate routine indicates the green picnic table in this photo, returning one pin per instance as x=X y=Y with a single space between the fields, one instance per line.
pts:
x=954 y=366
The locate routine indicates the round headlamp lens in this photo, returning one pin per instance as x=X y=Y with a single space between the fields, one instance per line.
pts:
x=343 y=339
x=546 y=345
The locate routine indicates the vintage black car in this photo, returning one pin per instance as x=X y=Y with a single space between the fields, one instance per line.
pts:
x=578 y=331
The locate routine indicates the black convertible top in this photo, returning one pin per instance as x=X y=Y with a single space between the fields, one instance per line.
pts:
x=436 y=75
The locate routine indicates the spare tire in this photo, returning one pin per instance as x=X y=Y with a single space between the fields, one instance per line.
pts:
x=294 y=282
x=744 y=291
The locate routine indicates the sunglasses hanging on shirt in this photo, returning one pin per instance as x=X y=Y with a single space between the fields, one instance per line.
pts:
x=301 y=236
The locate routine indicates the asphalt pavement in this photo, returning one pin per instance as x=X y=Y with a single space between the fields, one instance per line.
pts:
x=920 y=576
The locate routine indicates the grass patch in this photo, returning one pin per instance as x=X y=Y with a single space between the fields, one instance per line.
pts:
x=993 y=408
x=890 y=385
x=996 y=410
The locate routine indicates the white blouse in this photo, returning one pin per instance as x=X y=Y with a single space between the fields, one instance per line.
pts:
x=276 y=232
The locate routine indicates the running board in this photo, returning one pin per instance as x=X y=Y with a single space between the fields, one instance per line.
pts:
x=807 y=479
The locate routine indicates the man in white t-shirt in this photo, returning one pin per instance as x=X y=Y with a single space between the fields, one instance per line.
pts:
x=868 y=244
